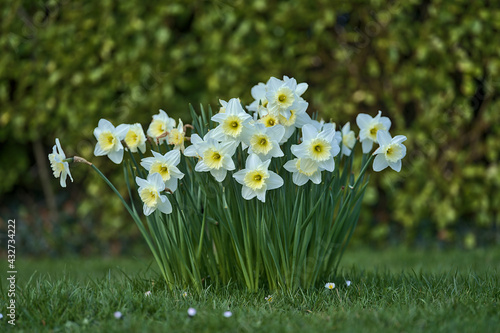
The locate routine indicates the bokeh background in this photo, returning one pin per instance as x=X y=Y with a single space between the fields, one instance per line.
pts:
x=432 y=66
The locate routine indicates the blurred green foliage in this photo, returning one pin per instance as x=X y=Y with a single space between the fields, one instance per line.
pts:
x=431 y=66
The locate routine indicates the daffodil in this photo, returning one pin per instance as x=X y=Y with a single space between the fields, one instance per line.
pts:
x=109 y=141
x=215 y=157
x=232 y=123
x=269 y=120
x=58 y=163
x=264 y=141
x=368 y=128
x=320 y=147
x=176 y=136
x=134 y=137
x=281 y=96
x=303 y=170
x=348 y=139
x=257 y=179
x=166 y=166
x=150 y=193
x=160 y=126
x=298 y=118
x=390 y=152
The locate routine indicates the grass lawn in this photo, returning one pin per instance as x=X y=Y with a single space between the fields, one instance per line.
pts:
x=392 y=290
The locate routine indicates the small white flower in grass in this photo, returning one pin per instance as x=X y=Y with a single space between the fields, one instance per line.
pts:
x=191 y=312
x=160 y=125
x=60 y=168
x=176 y=136
x=390 y=152
x=330 y=285
x=134 y=137
x=184 y=294
x=1 y=316
x=149 y=192
x=216 y=157
x=118 y=315
x=147 y=293
x=166 y=166
x=264 y=141
x=109 y=140
x=228 y=314
x=257 y=179
x=368 y=128
x=269 y=298
x=232 y=123
x=321 y=147
x=303 y=169
x=348 y=283
x=348 y=139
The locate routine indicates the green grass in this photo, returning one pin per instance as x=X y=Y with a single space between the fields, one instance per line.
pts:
x=393 y=290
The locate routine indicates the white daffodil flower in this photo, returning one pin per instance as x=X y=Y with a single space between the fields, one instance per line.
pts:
x=348 y=139
x=260 y=101
x=60 y=168
x=269 y=120
x=303 y=170
x=330 y=285
x=149 y=192
x=264 y=141
x=321 y=147
x=109 y=141
x=281 y=97
x=232 y=123
x=134 y=137
x=166 y=166
x=298 y=118
x=257 y=179
x=215 y=157
x=368 y=128
x=160 y=126
x=176 y=136
x=390 y=152
x=300 y=88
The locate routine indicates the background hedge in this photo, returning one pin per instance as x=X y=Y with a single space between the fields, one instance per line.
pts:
x=431 y=66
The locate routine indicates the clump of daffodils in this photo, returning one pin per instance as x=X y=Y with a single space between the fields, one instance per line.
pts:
x=246 y=191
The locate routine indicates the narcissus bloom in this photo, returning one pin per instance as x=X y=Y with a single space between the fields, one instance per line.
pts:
x=264 y=141
x=257 y=179
x=134 y=137
x=150 y=193
x=281 y=97
x=176 y=136
x=348 y=139
x=166 y=166
x=303 y=169
x=390 y=152
x=109 y=141
x=321 y=147
x=368 y=128
x=60 y=167
x=160 y=126
x=232 y=123
x=216 y=157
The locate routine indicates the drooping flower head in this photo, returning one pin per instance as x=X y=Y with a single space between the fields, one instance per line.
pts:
x=150 y=193
x=160 y=126
x=368 y=128
x=348 y=139
x=257 y=179
x=109 y=141
x=166 y=166
x=60 y=168
x=390 y=152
